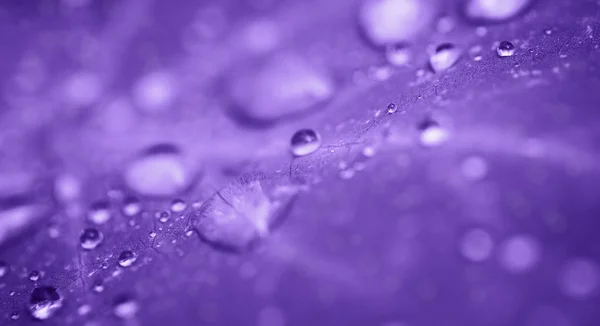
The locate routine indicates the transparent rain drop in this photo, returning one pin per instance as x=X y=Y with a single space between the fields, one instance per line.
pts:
x=446 y=55
x=125 y=307
x=158 y=172
x=44 y=302
x=99 y=212
x=385 y=22
x=34 y=276
x=281 y=87
x=392 y=108
x=304 y=142
x=127 y=258
x=432 y=134
x=178 y=206
x=494 y=10
x=155 y=91
x=580 y=278
x=90 y=238
x=131 y=207
x=506 y=49
x=237 y=217
x=398 y=55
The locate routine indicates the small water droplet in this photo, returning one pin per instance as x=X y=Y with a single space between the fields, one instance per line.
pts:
x=476 y=245
x=90 y=238
x=580 y=278
x=548 y=31
x=99 y=212
x=446 y=55
x=15 y=316
x=494 y=10
x=304 y=142
x=3 y=268
x=34 y=276
x=152 y=235
x=347 y=174
x=178 y=206
x=474 y=168
x=368 y=151
x=127 y=258
x=519 y=254
x=44 y=302
x=506 y=49
x=131 y=207
x=163 y=217
x=398 y=55
x=432 y=134
x=98 y=286
x=237 y=217
x=155 y=91
x=392 y=108
x=84 y=309
x=125 y=307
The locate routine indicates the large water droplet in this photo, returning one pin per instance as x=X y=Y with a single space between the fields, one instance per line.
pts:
x=494 y=10
x=386 y=22
x=44 y=302
x=282 y=87
x=238 y=216
x=158 y=172
x=99 y=212
x=90 y=238
x=506 y=49
x=446 y=55
x=125 y=307
x=304 y=142
x=178 y=206
x=127 y=258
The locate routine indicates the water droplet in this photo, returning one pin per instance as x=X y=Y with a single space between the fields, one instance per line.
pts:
x=132 y=207
x=127 y=258
x=178 y=206
x=34 y=276
x=476 y=245
x=158 y=172
x=240 y=215
x=506 y=49
x=398 y=55
x=368 y=151
x=90 y=238
x=347 y=174
x=15 y=316
x=548 y=31
x=99 y=212
x=481 y=31
x=125 y=307
x=163 y=217
x=152 y=235
x=98 y=287
x=83 y=88
x=580 y=278
x=3 y=268
x=154 y=91
x=392 y=108
x=304 y=142
x=446 y=55
x=67 y=188
x=432 y=134
x=386 y=22
x=271 y=316
x=44 y=302
x=282 y=87
x=494 y=10
x=84 y=309
x=519 y=254
x=474 y=168
x=445 y=24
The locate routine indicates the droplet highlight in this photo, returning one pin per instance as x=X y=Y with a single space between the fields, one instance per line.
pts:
x=445 y=57
x=304 y=142
x=127 y=258
x=90 y=238
x=44 y=302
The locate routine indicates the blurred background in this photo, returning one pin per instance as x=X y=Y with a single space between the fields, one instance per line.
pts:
x=281 y=162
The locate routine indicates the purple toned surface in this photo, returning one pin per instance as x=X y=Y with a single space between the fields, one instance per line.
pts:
x=497 y=226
